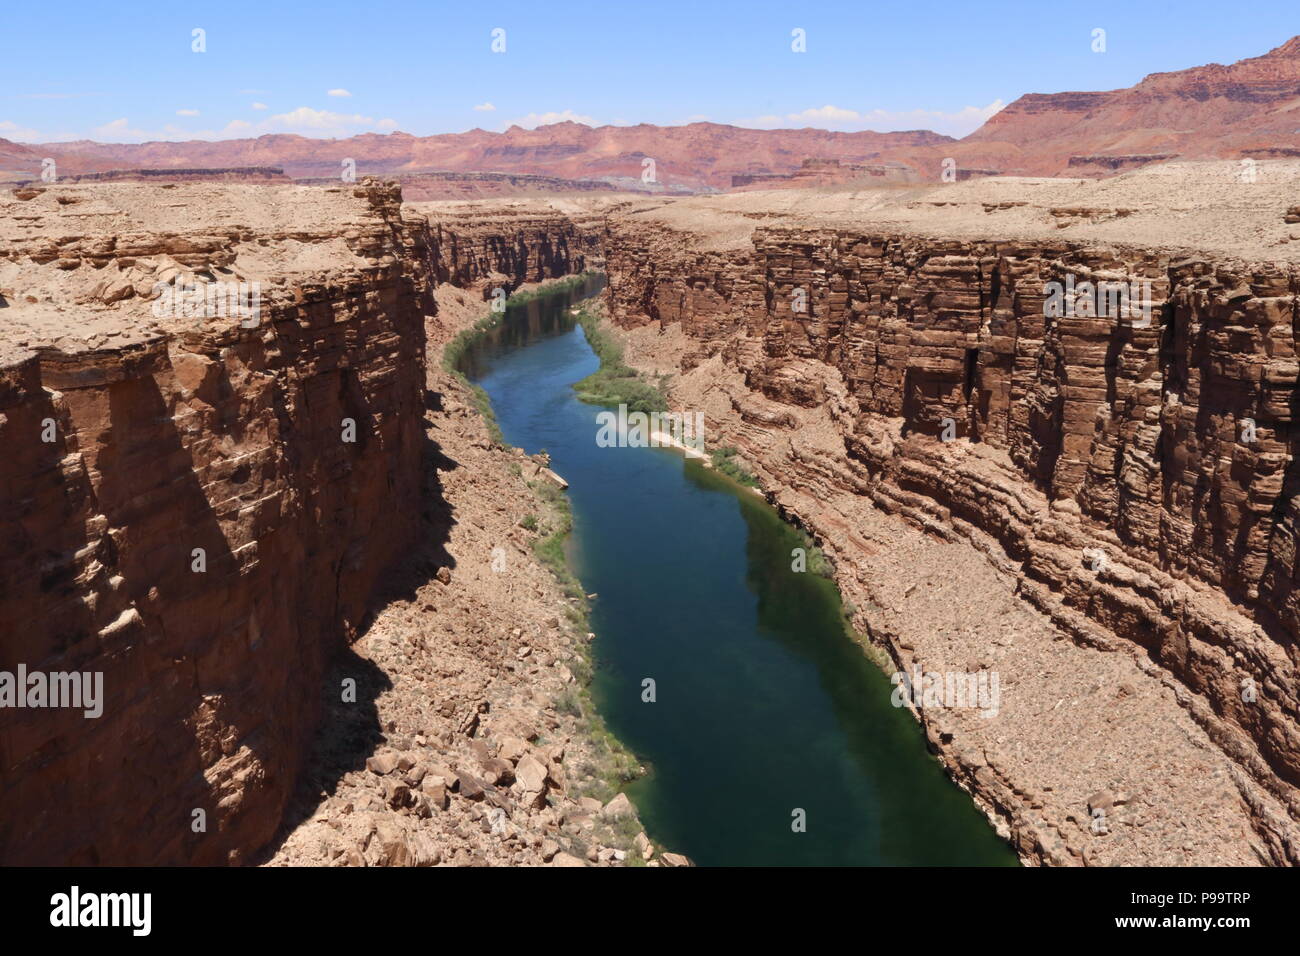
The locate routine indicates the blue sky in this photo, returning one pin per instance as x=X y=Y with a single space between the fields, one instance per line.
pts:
x=125 y=72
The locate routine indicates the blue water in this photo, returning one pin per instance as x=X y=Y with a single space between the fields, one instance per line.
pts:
x=764 y=705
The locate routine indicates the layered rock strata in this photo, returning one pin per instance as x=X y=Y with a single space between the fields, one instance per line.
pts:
x=474 y=743
x=199 y=498
x=511 y=242
x=1099 y=527
x=1135 y=482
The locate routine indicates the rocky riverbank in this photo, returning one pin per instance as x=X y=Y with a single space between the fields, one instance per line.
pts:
x=473 y=742
x=899 y=389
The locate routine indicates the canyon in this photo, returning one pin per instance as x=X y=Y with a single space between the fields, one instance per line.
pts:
x=201 y=508
x=1096 y=522
x=835 y=337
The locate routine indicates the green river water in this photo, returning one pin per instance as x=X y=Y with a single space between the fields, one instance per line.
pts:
x=765 y=705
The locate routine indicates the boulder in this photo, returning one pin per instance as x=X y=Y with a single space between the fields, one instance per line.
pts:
x=436 y=791
x=382 y=763
x=470 y=787
x=619 y=808
x=512 y=748
x=531 y=774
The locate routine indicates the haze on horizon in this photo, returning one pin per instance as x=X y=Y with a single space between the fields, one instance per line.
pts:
x=431 y=68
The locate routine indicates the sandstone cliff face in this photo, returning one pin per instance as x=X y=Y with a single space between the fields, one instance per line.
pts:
x=527 y=244
x=1072 y=433
x=222 y=439
x=173 y=434
x=1242 y=109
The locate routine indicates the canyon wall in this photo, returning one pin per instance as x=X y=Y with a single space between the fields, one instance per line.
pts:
x=184 y=509
x=1139 y=481
x=470 y=244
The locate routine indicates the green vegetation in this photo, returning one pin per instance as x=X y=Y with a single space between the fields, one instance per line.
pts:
x=873 y=651
x=566 y=284
x=455 y=350
x=484 y=406
x=615 y=383
x=818 y=563
x=726 y=461
x=467 y=338
x=610 y=764
x=549 y=548
x=451 y=356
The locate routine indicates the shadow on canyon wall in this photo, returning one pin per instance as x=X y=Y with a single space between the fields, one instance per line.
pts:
x=350 y=731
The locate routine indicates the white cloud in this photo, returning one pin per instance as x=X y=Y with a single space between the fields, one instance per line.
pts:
x=304 y=120
x=485 y=107
x=827 y=114
x=339 y=92
x=118 y=131
x=304 y=117
x=12 y=131
x=957 y=123
x=121 y=131
x=533 y=120
x=307 y=120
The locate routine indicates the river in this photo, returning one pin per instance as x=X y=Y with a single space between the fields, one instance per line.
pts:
x=767 y=714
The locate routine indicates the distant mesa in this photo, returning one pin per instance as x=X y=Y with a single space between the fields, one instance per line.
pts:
x=973 y=172
x=436 y=184
x=1206 y=112
x=1243 y=110
x=700 y=157
x=1272 y=152
x=230 y=174
x=828 y=172
x=1116 y=162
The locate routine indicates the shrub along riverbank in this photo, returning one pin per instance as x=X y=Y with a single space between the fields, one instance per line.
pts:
x=608 y=765
x=455 y=350
x=615 y=383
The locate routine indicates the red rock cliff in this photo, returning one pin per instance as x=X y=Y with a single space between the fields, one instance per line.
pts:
x=172 y=434
x=1072 y=433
